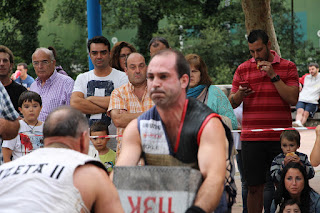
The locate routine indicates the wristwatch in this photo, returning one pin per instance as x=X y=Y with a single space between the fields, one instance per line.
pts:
x=275 y=78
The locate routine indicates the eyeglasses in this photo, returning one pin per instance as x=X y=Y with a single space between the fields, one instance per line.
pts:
x=44 y=62
x=122 y=56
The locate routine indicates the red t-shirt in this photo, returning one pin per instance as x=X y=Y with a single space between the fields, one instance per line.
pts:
x=265 y=108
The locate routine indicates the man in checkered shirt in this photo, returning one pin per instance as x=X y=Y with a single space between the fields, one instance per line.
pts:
x=132 y=99
x=9 y=124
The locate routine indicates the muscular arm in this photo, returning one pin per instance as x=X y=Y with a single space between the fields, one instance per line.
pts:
x=9 y=129
x=131 y=146
x=85 y=106
x=315 y=153
x=96 y=189
x=102 y=102
x=122 y=119
x=210 y=191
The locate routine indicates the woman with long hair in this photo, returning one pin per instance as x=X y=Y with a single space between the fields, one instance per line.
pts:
x=201 y=88
x=119 y=53
x=294 y=184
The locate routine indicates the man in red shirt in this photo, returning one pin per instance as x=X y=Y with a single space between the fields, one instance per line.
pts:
x=267 y=85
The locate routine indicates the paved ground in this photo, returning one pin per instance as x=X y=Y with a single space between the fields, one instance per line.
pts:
x=307 y=141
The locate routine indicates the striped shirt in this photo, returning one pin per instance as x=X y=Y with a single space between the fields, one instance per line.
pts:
x=278 y=165
x=55 y=92
x=265 y=108
x=125 y=99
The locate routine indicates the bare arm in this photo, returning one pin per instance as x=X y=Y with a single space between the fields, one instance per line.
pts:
x=9 y=129
x=121 y=119
x=96 y=189
x=210 y=151
x=131 y=146
x=85 y=106
x=102 y=102
x=6 y=152
x=289 y=94
x=315 y=153
x=236 y=98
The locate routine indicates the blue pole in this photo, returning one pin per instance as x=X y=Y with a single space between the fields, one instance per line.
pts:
x=94 y=21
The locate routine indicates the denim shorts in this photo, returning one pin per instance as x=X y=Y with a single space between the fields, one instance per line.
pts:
x=311 y=108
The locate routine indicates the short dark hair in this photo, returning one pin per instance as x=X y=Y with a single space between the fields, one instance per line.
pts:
x=182 y=65
x=99 y=126
x=313 y=64
x=289 y=202
x=160 y=39
x=291 y=135
x=4 y=49
x=256 y=35
x=73 y=123
x=99 y=39
x=199 y=64
x=25 y=66
x=29 y=96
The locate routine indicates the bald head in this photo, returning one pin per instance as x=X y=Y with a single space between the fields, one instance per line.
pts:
x=136 y=69
x=134 y=57
x=65 y=121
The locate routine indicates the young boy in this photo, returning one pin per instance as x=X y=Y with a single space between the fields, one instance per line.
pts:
x=107 y=156
x=30 y=132
x=290 y=142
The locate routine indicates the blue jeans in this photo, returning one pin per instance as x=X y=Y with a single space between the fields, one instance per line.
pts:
x=244 y=187
x=223 y=206
x=268 y=194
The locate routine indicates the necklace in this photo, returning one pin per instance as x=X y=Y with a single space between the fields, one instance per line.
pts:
x=30 y=126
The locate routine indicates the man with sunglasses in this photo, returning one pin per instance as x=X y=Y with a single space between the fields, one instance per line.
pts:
x=92 y=89
x=54 y=88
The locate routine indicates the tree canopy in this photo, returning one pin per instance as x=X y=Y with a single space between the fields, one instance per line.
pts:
x=212 y=29
x=20 y=26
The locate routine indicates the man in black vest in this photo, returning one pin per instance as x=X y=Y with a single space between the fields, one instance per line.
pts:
x=178 y=131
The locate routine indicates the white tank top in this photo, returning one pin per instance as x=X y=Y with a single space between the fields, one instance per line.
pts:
x=42 y=182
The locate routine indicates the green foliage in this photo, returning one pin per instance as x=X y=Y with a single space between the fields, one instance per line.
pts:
x=141 y=14
x=215 y=39
x=20 y=26
x=219 y=38
x=73 y=60
x=71 y=10
x=209 y=28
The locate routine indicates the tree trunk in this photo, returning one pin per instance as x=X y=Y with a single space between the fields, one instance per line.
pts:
x=258 y=16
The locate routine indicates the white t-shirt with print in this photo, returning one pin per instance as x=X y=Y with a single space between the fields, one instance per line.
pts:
x=29 y=138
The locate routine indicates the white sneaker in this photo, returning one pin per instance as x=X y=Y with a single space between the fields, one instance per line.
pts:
x=297 y=123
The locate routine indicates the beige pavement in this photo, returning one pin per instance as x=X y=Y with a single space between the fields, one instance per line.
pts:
x=307 y=140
